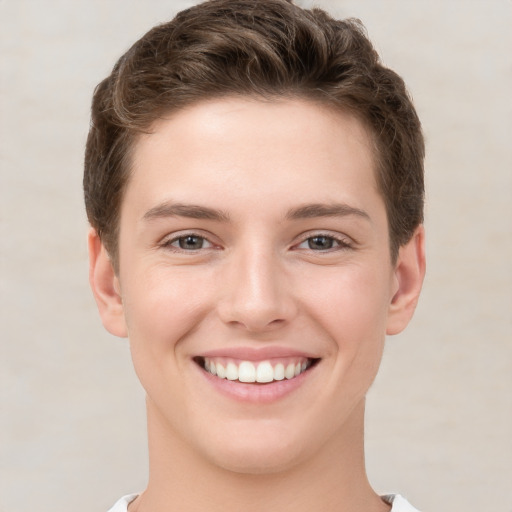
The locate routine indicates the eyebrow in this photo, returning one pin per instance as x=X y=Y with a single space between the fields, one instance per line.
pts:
x=191 y=211
x=310 y=211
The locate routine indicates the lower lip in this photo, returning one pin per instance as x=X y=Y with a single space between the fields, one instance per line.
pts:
x=256 y=393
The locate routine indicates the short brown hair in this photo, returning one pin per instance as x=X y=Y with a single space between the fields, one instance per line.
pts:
x=262 y=48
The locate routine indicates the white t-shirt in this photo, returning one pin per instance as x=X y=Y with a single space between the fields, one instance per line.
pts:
x=399 y=503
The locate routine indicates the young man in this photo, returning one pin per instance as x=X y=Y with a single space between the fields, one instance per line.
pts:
x=254 y=183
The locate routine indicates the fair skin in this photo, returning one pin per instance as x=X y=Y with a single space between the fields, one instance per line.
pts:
x=253 y=233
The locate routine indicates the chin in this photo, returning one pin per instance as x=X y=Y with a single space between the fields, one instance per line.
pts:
x=255 y=462
x=253 y=454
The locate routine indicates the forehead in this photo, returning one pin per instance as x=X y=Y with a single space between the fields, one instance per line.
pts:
x=222 y=149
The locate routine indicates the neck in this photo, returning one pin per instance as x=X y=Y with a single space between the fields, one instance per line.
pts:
x=334 y=480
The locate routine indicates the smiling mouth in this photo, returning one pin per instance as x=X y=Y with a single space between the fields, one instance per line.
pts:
x=262 y=372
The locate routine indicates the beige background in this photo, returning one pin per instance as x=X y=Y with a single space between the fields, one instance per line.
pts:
x=72 y=430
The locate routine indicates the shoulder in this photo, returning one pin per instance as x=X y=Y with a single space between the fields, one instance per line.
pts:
x=398 y=503
x=122 y=504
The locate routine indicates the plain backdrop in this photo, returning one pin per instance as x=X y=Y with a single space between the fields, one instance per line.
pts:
x=439 y=423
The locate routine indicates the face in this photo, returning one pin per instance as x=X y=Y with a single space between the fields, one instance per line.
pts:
x=255 y=281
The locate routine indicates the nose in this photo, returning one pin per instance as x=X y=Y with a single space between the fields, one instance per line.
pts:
x=257 y=292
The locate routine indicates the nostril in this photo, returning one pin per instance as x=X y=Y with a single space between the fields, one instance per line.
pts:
x=253 y=324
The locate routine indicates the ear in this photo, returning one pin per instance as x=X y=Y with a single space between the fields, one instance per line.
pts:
x=408 y=274
x=105 y=287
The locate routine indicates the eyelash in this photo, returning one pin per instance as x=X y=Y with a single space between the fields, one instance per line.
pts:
x=341 y=243
x=168 y=244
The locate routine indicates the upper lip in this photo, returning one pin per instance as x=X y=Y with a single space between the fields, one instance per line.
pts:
x=257 y=354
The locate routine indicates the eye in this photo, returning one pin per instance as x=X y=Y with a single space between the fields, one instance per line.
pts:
x=189 y=242
x=320 y=243
x=323 y=243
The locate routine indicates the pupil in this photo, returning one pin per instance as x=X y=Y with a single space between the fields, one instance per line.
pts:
x=320 y=242
x=191 y=242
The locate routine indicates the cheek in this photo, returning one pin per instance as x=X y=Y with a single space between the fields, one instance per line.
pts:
x=161 y=307
x=350 y=307
x=350 y=303
x=353 y=315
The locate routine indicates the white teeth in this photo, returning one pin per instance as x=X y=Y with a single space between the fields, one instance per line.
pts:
x=221 y=371
x=279 y=372
x=290 y=371
x=247 y=371
x=232 y=371
x=265 y=372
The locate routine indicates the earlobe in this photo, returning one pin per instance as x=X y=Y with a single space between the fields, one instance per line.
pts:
x=105 y=287
x=409 y=273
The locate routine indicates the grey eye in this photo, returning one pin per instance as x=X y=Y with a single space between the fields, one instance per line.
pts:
x=190 y=242
x=320 y=243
